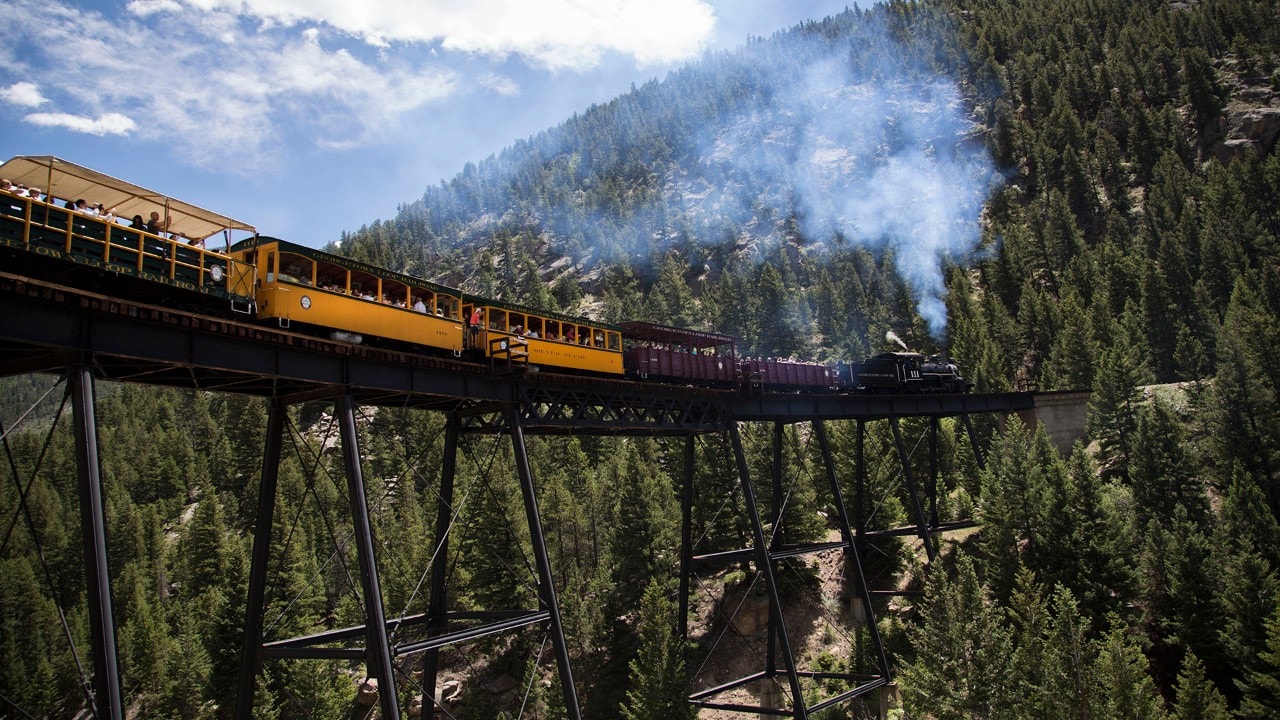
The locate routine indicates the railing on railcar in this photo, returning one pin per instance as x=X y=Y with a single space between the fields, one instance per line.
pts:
x=46 y=230
x=508 y=354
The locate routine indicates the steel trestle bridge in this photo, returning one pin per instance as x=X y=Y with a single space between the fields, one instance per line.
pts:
x=85 y=337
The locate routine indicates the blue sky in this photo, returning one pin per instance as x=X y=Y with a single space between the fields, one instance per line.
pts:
x=309 y=117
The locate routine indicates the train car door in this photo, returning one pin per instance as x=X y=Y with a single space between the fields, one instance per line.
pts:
x=477 y=333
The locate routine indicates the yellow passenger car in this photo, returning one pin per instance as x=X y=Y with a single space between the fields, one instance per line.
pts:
x=350 y=299
x=550 y=339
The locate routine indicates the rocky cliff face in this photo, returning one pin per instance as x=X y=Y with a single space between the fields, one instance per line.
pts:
x=1250 y=121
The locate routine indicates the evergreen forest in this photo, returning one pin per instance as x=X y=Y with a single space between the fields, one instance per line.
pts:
x=1100 y=210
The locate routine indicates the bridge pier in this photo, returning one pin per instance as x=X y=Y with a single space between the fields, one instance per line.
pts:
x=779 y=660
x=106 y=665
x=255 y=603
x=377 y=644
x=764 y=564
x=546 y=582
x=377 y=651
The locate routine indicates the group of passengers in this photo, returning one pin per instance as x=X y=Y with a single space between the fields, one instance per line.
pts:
x=569 y=336
x=154 y=224
x=298 y=274
x=476 y=323
x=22 y=191
x=80 y=206
x=676 y=347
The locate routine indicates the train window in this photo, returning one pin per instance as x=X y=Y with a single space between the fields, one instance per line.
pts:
x=552 y=330
x=517 y=322
x=295 y=268
x=394 y=293
x=535 y=327
x=425 y=297
x=615 y=341
x=331 y=277
x=364 y=285
x=497 y=319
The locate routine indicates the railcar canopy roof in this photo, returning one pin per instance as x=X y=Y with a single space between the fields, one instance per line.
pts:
x=68 y=181
x=667 y=334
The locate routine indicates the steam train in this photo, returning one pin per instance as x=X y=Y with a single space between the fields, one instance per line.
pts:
x=44 y=233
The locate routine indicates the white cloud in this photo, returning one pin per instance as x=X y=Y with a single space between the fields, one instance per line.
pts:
x=215 y=102
x=555 y=34
x=500 y=84
x=146 y=8
x=23 y=93
x=108 y=124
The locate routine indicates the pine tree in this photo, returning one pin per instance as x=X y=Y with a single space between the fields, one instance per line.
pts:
x=1049 y=682
x=1261 y=687
x=1246 y=417
x=779 y=334
x=1163 y=470
x=36 y=671
x=1013 y=503
x=1123 y=687
x=1090 y=541
x=962 y=650
x=224 y=642
x=189 y=668
x=1250 y=595
x=1071 y=359
x=1245 y=523
x=1197 y=698
x=1159 y=313
x=671 y=301
x=495 y=546
x=1112 y=417
x=201 y=551
x=659 y=683
x=1181 y=604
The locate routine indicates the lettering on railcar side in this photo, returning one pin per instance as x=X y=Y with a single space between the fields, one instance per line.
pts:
x=111 y=267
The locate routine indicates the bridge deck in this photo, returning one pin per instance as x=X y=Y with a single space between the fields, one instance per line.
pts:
x=44 y=327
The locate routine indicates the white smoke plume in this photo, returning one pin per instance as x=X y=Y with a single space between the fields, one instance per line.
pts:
x=868 y=148
x=892 y=336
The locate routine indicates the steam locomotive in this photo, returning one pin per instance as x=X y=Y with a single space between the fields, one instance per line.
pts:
x=265 y=279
